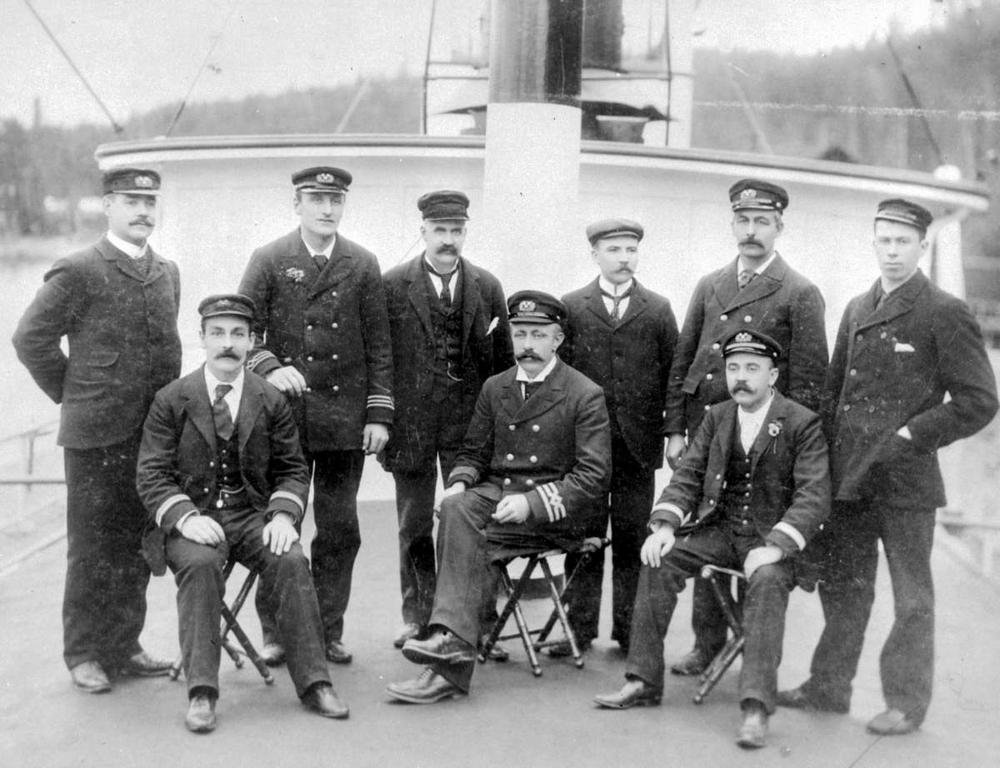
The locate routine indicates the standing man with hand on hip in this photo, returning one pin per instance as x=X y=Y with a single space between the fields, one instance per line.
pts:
x=621 y=335
x=758 y=291
x=323 y=336
x=902 y=346
x=116 y=304
x=448 y=323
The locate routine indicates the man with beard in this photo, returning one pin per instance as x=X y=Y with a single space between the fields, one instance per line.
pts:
x=752 y=489
x=116 y=304
x=222 y=475
x=448 y=324
x=621 y=335
x=909 y=375
x=761 y=292
x=323 y=337
x=534 y=461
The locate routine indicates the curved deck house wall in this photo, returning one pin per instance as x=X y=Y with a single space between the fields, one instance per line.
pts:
x=223 y=196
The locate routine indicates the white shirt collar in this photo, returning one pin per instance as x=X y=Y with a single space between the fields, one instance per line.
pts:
x=232 y=397
x=751 y=422
x=741 y=265
x=522 y=375
x=328 y=251
x=614 y=290
x=131 y=250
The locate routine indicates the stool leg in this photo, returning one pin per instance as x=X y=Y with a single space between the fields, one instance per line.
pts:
x=522 y=624
x=248 y=647
x=561 y=613
x=501 y=620
x=722 y=661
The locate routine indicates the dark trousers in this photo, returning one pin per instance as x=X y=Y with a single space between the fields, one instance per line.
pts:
x=850 y=548
x=104 y=602
x=286 y=584
x=627 y=506
x=468 y=542
x=336 y=476
x=763 y=608
x=415 y=514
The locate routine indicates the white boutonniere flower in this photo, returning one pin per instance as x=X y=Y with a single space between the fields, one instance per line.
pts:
x=774 y=429
x=295 y=274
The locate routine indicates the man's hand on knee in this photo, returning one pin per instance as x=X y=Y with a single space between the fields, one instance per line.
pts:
x=657 y=545
x=280 y=534
x=201 y=530
x=766 y=555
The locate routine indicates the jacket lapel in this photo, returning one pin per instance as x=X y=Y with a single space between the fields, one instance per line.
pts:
x=900 y=302
x=470 y=299
x=417 y=292
x=122 y=260
x=762 y=443
x=766 y=283
x=595 y=303
x=637 y=304
x=724 y=285
x=338 y=266
x=724 y=436
x=250 y=406
x=197 y=405
x=548 y=394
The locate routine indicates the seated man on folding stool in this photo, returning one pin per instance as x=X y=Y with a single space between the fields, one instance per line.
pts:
x=536 y=456
x=756 y=481
x=221 y=471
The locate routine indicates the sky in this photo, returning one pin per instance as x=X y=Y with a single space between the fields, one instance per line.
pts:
x=138 y=54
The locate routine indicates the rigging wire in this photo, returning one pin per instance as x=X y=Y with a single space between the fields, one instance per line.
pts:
x=915 y=100
x=114 y=123
x=201 y=69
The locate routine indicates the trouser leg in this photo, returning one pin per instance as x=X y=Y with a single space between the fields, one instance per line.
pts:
x=847 y=591
x=415 y=515
x=707 y=619
x=200 y=590
x=583 y=595
x=104 y=602
x=631 y=499
x=907 y=659
x=764 y=606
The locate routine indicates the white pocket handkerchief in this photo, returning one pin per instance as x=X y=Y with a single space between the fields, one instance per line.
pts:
x=902 y=346
x=493 y=324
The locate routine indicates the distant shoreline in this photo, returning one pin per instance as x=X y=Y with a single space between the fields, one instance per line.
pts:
x=31 y=249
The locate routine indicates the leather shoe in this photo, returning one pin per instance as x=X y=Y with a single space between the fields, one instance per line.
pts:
x=563 y=649
x=804 y=698
x=89 y=676
x=428 y=688
x=892 y=722
x=753 y=731
x=323 y=699
x=409 y=630
x=200 y=716
x=440 y=647
x=144 y=665
x=337 y=653
x=635 y=693
x=692 y=663
x=497 y=652
x=273 y=654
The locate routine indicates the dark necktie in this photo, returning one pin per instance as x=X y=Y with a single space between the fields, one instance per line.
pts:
x=746 y=277
x=143 y=263
x=220 y=412
x=530 y=387
x=616 y=300
x=445 y=286
x=320 y=260
x=881 y=300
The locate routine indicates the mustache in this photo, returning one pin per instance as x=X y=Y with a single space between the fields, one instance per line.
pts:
x=741 y=388
x=751 y=241
x=142 y=220
x=228 y=354
x=447 y=249
x=528 y=356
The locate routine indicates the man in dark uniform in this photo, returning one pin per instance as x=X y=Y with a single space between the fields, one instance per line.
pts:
x=324 y=341
x=622 y=336
x=755 y=486
x=902 y=346
x=448 y=323
x=116 y=303
x=535 y=459
x=759 y=291
x=232 y=437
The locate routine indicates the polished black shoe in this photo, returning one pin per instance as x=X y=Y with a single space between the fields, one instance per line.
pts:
x=753 y=729
x=428 y=688
x=409 y=631
x=337 y=653
x=90 y=677
x=635 y=693
x=144 y=665
x=440 y=647
x=273 y=654
x=200 y=716
x=692 y=663
x=321 y=698
x=563 y=649
x=805 y=698
x=497 y=652
x=892 y=722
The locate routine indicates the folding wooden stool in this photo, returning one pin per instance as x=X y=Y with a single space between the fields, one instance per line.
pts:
x=733 y=613
x=230 y=624
x=515 y=591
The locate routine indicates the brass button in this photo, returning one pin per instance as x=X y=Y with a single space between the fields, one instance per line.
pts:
x=723 y=318
x=854 y=371
x=847 y=407
x=309 y=359
x=535 y=427
x=334 y=325
x=335 y=357
x=336 y=388
x=716 y=345
x=510 y=457
x=533 y=459
x=309 y=327
x=506 y=481
x=748 y=319
x=511 y=427
x=708 y=377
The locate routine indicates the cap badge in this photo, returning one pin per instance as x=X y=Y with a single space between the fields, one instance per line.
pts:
x=144 y=182
x=747 y=194
x=743 y=338
x=526 y=306
x=324 y=178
